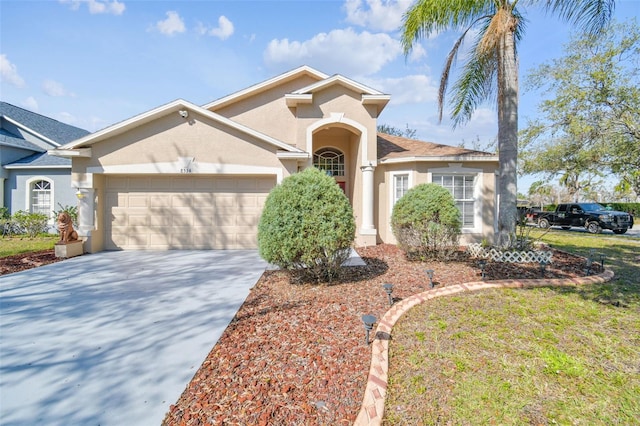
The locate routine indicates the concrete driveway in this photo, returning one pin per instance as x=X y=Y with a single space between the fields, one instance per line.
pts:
x=113 y=338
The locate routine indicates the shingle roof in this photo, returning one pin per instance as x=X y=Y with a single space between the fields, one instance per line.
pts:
x=390 y=146
x=9 y=139
x=48 y=127
x=40 y=160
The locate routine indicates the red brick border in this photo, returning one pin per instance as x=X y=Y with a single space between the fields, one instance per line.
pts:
x=372 y=409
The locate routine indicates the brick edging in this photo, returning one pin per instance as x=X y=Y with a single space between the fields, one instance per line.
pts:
x=372 y=409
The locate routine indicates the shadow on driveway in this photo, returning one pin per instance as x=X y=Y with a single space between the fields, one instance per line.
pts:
x=113 y=338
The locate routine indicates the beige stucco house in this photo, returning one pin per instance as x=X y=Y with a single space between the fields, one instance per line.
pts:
x=186 y=176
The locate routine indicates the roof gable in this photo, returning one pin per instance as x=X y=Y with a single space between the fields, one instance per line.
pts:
x=46 y=129
x=179 y=106
x=266 y=85
x=40 y=161
x=368 y=95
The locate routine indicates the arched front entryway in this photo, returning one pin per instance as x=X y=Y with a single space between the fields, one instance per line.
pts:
x=339 y=146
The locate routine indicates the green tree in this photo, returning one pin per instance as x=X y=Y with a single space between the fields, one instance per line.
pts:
x=590 y=125
x=394 y=131
x=491 y=70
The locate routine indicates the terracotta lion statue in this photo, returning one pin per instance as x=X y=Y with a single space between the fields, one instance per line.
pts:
x=65 y=226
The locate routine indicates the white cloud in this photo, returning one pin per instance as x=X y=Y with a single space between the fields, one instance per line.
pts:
x=379 y=15
x=340 y=51
x=31 y=104
x=95 y=7
x=223 y=31
x=9 y=72
x=53 y=88
x=411 y=89
x=66 y=117
x=173 y=24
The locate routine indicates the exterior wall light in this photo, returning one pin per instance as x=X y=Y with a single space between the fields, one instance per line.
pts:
x=79 y=195
x=369 y=321
x=389 y=289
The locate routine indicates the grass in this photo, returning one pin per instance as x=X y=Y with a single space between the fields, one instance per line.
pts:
x=10 y=246
x=529 y=356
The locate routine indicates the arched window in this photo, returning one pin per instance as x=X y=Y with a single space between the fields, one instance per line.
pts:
x=329 y=160
x=40 y=197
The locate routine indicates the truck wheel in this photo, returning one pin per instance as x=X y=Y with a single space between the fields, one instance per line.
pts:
x=619 y=231
x=593 y=228
x=543 y=223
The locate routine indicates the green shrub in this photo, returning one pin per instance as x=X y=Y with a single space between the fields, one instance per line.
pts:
x=307 y=226
x=71 y=210
x=31 y=224
x=426 y=223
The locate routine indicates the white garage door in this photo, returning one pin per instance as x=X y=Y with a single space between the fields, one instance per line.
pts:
x=184 y=212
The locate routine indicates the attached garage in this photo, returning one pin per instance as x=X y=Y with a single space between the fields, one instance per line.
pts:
x=184 y=212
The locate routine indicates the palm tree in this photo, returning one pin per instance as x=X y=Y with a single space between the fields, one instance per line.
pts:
x=491 y=72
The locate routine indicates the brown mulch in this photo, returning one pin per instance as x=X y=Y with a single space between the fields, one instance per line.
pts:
x=24 y=261
x=295 y=354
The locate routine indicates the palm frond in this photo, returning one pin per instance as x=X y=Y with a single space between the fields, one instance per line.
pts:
x=476 y=85
x=591 y=15
x=430 y=16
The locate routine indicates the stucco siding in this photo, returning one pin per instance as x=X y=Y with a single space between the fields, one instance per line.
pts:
x=171 y=137
x=267 y=111
x=17 y=188
x=422 y=172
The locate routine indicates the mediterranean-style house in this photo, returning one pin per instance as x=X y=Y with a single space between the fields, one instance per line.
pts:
x=183 y=176
x=31 y=180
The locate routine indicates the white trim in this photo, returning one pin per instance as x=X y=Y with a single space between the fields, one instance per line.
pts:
x=337 y=78
x=478 y=200
x=339 y=118
x=27 y=200
x=81 y=152
x=164 y=110
x=302 y=155
x=196 y=168
x=392 y=189
x=265 y=85
x=31 y=131
x=12 y=167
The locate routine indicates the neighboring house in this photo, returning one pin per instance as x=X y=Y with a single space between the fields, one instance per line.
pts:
x=30 y=179
x=189 y=176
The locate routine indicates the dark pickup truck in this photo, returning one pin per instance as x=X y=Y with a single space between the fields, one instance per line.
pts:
x=591 y=216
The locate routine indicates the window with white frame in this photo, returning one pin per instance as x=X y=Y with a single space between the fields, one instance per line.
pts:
x=330 y=161
x=461 y=187
x=40 y=197
x=400 y=185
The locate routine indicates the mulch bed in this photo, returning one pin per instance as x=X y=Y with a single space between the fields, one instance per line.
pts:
x=24 y=261
x=296 y=354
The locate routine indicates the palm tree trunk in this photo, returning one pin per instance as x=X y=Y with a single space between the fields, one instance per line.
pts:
x=507 y=137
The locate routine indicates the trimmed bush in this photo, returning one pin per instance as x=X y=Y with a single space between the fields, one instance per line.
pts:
x=307 y=226
x=31 y=224
x=426 y=223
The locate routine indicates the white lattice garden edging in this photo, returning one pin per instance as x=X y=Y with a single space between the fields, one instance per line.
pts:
x=509 y=256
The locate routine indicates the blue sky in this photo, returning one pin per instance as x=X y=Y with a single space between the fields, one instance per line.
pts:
x=92 y=63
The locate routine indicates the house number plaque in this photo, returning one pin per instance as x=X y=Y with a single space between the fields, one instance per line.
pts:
x=186 y=164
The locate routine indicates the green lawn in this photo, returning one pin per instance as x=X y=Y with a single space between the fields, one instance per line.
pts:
x=22 y=244
x=532 y=356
